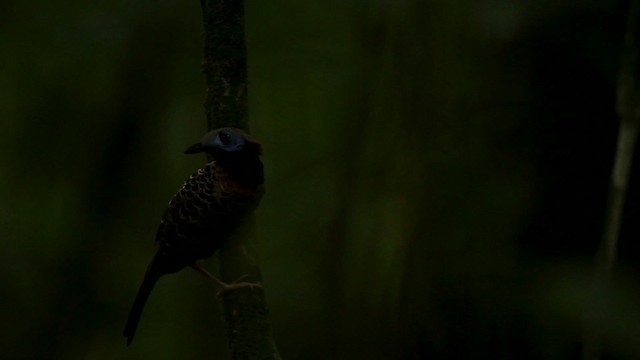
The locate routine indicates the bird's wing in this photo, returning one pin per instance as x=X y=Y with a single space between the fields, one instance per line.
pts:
x=193 y=208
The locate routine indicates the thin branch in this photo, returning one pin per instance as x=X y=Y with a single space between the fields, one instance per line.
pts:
x=225 y=70
x=628 y=110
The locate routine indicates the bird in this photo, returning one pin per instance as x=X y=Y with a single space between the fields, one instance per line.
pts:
x=205 y=212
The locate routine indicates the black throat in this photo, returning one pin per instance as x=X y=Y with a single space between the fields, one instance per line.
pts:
x=246 y=170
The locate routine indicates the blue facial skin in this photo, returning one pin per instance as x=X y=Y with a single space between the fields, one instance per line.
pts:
x=228 y=141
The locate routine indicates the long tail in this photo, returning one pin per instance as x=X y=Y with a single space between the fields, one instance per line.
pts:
x=150 y=279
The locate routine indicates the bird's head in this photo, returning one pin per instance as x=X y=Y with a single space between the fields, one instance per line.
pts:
x=226 y=143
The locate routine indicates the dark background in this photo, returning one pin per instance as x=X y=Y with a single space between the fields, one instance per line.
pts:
x=437 y=177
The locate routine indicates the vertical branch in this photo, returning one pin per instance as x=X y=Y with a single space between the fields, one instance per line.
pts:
x=225 y=64
x=225 y=70
x=628 y=110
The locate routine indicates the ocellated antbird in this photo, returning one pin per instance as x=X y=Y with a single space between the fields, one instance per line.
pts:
x=205 y=212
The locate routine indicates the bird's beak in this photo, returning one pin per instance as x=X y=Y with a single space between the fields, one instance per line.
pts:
x=195 y=148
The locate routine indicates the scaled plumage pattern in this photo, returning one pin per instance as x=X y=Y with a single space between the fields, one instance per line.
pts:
x=206 y=210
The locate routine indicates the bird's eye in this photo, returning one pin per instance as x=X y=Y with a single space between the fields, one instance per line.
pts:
x=225 y=138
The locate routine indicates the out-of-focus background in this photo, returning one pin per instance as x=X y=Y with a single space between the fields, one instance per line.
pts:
x=437 y=177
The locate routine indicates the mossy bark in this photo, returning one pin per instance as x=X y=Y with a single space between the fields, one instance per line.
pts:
x=225 y=64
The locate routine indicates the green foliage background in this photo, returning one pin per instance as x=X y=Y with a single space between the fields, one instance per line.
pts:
x=437 y=174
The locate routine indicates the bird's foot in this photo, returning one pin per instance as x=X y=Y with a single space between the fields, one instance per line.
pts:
x=226 y=288
x=236 y=285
